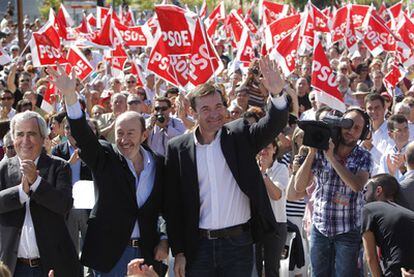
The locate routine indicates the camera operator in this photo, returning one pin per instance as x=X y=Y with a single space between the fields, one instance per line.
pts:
x=339 y=174
x=163 y=127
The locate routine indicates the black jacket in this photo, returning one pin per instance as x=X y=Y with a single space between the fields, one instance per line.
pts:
x=113 y=217
x=49 y=205
x=240 y=143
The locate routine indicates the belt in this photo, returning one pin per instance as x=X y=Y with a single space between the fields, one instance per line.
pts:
x=30 y=262
x=225 y=232
x=134 y=243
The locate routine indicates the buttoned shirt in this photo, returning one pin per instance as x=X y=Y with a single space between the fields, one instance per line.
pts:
x=28 y=246
x=75 y=167
x=144 y=182
x=383 y=166
x=222 y=203
x=337 y=208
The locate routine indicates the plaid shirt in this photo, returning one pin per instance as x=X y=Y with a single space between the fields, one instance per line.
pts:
x=337 y=208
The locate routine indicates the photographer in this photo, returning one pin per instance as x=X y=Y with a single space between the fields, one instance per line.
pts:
x=163 y=127
x=339 y=174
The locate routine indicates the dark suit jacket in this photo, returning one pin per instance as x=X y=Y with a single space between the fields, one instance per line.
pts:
x=405 y=197
x=48 y=206
x=240 y=143
x=113 y=217
x=62 y=150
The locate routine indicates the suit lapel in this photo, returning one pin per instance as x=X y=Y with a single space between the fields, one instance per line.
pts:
x=65 y=151
x=130 y=186
x=188 y=155
x=43 y=165
x=14 y=174
x=227 y=147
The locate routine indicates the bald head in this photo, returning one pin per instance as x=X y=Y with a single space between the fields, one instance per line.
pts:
x=133 y=117
x=409 y=155
x=129 y=134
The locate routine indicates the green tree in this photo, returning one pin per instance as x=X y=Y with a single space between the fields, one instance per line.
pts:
x=45 y=7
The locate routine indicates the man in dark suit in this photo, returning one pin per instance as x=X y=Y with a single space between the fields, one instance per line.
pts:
x=35 y=196
x=128 y=186
x=216 y=198
x=406 y=195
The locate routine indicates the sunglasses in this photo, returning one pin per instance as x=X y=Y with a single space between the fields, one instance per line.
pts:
x=131 y=82
x=6 y=98
x=134 y=102
x=158 y=109
x=25 y=80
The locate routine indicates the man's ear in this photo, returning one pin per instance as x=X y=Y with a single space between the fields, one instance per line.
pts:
x=378 y=191
x=144 y=135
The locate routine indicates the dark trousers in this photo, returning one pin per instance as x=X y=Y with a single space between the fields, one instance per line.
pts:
x=223 y=257
x=23 y=270
x=270 y=250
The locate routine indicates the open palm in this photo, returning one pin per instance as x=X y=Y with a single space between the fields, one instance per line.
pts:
x=272 y=78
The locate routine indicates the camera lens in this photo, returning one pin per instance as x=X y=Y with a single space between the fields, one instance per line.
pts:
x=160 y=118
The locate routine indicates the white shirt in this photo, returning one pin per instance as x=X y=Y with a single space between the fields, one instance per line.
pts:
x=383 y=167
x=380 y=138
x=279 y=175
x=222 y=203
x=308 y=114
x=11 y=113
x=143 y=183
x=28 y=246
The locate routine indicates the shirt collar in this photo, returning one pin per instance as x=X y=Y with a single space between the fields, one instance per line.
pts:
x=35 y=161
x=146 y=157
x=197 y=143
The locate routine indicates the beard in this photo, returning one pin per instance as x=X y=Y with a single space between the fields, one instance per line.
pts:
x=347 y=142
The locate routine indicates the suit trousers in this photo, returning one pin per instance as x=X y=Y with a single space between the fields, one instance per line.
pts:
x=224 y=257
x=77 y=221
x=269 y=250
x=120 y=269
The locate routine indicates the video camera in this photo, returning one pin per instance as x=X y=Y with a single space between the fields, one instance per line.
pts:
x=318 y=133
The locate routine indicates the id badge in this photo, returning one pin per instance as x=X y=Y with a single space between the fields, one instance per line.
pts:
x=341 y=199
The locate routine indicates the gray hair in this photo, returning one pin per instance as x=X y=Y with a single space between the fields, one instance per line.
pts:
x=7 y=139
x=27 y=115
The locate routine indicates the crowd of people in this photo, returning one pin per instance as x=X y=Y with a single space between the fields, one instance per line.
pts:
x=215 y=178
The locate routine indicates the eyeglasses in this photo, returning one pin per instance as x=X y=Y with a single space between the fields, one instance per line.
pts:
x=158 y=109
x=131 y=82
x=6 y=98
x=25 y=80
x=134 y=102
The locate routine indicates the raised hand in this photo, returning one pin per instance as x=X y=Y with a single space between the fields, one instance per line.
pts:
x=65 y=83
x=272 y=77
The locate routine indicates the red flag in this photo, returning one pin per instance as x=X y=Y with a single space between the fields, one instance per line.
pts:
x=286 y=51
x=134 y=36
x=250 y=24
x=324 y=80
x=339 y=24
x=351 y=38
x=47 y=102
x=406 y=31
x=273 y=10
x=396 y=74
x=77 y=60
x=205 y=62
x=395 y=10
x=237 y=25
x=378 y=37
x=217 y=15
x=45 y=47
x=320 y=21
x=308 y=29
x=245 y=53
x=84 y=27
x=104 y=37
x=64 y=17
x=383 y=11
x=279 y=29
x=101 y=14
x=358 y=14
x=91 y=20
x=177 y=36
